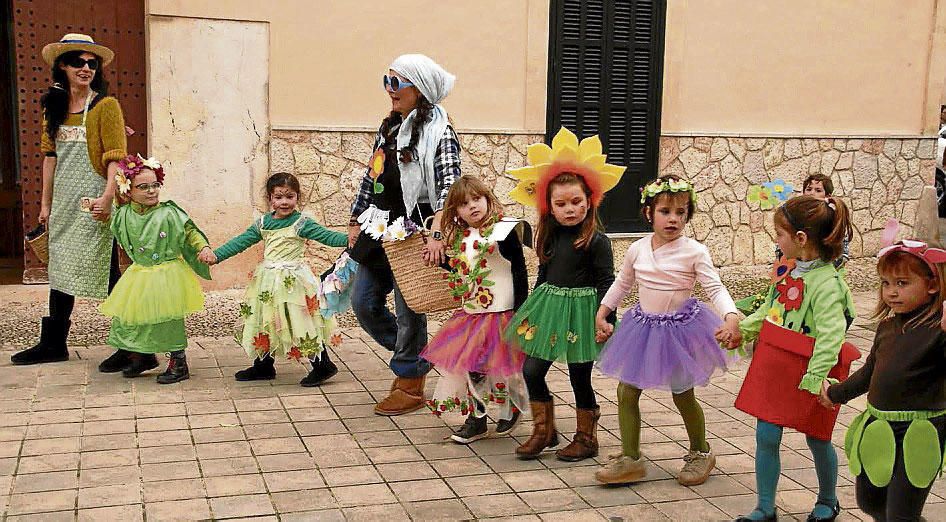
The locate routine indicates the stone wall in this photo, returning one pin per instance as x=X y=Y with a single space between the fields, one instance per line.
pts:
x=879 y=178
x=330 y=167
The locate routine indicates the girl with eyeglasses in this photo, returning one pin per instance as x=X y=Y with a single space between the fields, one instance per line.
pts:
x=83 y=139
x=159 y=289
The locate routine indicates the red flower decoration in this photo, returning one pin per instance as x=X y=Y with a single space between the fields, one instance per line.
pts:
x=336 y=339
x=476 y=244
x=466 y=232
x=261 y=342
x=294 y=353
x=491 y=249
x=500 y=386
x=483 y=263
x=791 y=292
x=312 y=303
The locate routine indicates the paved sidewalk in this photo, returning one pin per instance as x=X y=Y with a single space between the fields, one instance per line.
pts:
x=76 y=443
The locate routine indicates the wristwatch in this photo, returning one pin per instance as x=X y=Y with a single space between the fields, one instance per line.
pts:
x=437 y=235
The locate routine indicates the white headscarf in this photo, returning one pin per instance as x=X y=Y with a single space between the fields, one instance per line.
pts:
x=428 y=76
x=435 y=84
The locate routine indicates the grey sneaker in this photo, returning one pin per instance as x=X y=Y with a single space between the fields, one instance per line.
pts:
x=622 y=470
x=696 y=468
x=472 y=430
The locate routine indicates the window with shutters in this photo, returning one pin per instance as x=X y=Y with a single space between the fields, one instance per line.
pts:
x=605 y=76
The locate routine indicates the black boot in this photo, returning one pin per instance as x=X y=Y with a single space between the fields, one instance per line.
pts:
x=140 y=363
x=51 y=346
x=177 y=369
x=262 y=370
x=323 y=369
x=116 y=362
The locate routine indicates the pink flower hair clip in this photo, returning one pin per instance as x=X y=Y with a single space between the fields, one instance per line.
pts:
x=130 y=166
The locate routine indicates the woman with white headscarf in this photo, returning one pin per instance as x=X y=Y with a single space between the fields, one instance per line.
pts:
x=421 y=156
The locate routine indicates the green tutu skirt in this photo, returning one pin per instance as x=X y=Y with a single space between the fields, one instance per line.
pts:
x=155 y=294
x=557 y=324
x=168 y=336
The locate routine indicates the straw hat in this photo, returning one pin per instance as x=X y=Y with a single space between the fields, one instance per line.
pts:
x=76 y=42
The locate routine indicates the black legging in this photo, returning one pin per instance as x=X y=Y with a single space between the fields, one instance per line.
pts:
x=61 y=303
x=534 y=370
x=898 y=500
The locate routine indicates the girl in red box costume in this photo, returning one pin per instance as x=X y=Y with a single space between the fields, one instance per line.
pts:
x=808 y=299
x=895 y=447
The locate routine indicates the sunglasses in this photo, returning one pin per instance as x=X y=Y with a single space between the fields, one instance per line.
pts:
x=79 y=63
x=144 y=187
x=395 y=84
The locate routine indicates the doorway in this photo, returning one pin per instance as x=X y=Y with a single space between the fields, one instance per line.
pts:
x=11 y=207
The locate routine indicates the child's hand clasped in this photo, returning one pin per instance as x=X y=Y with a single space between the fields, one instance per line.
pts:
x=823 y=398
x=207 y=256
x=603 y=329
x=728 y=334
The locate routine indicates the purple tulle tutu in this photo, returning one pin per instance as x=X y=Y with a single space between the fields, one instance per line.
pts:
x=675 y=351
x=474 y=343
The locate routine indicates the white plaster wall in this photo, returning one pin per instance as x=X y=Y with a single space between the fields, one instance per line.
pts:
x=209 y=117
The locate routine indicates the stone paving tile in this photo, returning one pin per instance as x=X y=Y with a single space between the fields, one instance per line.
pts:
x=76 y=444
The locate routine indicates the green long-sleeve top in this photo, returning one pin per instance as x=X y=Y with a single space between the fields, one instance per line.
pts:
x=308 y=229
x=159 y=233
x=825 y=311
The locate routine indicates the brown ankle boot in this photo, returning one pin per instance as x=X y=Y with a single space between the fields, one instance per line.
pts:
x=585 y=443
x=544 y=434
x=407 y=395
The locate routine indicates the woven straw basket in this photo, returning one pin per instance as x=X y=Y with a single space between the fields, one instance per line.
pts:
x=38 y=239
x=424 y=287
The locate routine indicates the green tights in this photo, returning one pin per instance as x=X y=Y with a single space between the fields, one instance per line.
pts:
x=629 y=418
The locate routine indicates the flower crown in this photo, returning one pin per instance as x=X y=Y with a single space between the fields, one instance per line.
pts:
x=667 y=185
x=132 y=165
x=566 y=155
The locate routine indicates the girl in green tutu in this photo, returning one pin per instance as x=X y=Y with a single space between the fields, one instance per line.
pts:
x=281 y=311
x=895 y=447
x=566 y=182
x=150 y=301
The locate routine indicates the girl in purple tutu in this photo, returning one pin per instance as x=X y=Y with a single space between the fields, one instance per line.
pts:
x=669 y=340
x=488 y=276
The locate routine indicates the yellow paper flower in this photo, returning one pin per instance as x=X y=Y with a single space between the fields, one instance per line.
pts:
x=775 y=315
x=566 y=154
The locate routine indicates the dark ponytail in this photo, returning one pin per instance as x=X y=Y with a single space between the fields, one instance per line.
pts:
x=55 y=102
x=827 y=222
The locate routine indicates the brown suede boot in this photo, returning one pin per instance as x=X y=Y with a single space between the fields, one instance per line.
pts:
x=544 y=434
x=585 y=443
x=407 y=395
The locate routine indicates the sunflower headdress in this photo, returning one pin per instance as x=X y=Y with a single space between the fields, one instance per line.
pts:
x=566 y=154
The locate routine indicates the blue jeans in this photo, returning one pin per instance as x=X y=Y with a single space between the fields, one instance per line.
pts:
x=404 y=334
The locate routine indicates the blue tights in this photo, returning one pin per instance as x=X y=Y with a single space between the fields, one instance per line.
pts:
x=768 y=467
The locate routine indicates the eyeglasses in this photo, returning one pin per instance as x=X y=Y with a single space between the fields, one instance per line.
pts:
x=79 y=63
x=395 y=84
x=144 y=187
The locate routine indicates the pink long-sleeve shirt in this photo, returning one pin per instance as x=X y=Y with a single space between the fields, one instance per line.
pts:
x=666 y=276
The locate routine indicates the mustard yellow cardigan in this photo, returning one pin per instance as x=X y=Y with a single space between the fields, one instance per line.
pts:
x=105 y=134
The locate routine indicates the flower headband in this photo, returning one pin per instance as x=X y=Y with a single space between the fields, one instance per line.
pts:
x=132 y=165
x=667 y=185
x=566 y=155
x=932 y=256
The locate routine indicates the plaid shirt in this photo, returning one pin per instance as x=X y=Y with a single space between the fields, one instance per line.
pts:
x=446 y=171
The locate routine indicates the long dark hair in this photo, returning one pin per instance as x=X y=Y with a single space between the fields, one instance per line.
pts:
x=55 y=102
x=548 y=225
x=424 y=109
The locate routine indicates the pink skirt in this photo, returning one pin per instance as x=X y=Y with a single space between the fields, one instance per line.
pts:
x=474 y=343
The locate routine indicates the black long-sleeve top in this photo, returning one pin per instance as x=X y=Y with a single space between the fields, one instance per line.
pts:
x=569 y=267
x=905 y=371
x=511 y=249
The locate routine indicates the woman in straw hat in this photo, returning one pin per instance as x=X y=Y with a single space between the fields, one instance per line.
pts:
x=83 y=139
x=416 y=160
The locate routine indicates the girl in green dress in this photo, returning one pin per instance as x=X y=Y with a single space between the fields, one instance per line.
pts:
x=150 y=301
x=281 y=312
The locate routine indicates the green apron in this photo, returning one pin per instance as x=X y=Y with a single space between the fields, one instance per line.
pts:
x=80 y=248
x=871 y=446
